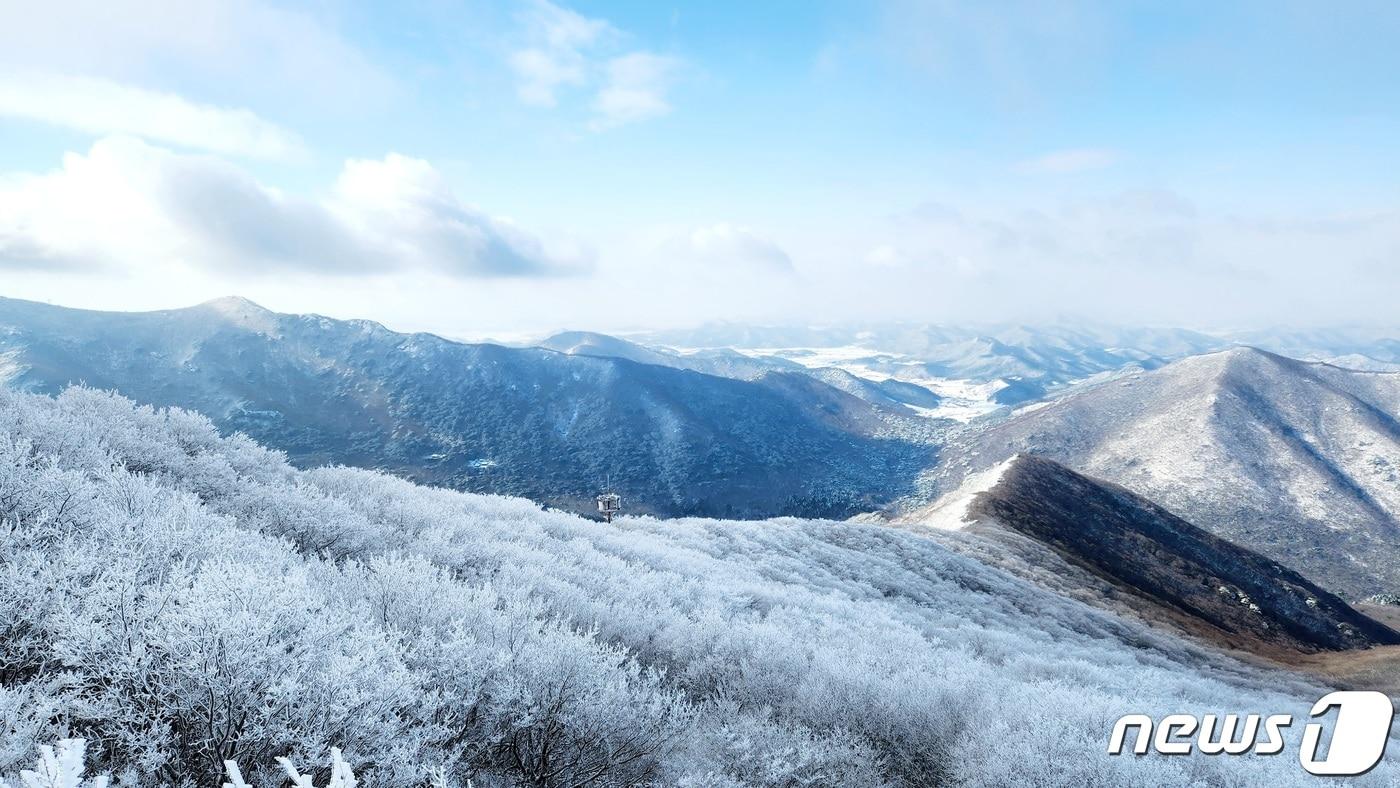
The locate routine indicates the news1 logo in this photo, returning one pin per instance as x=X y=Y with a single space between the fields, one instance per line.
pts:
x=1358 y=734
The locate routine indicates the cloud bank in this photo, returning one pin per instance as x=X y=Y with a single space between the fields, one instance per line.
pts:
x=126 y=204
x=253 y=48
x=727 y=248
x=1132 y=256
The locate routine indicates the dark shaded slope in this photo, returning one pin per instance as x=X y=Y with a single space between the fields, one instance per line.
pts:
x=481 y=418
x=1138 y=545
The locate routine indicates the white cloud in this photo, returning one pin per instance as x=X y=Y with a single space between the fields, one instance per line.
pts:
x=403 y=207
x=635 y=89
x=564 y=49
x=132 y=206
x=541 y=73
x=724 y=248
x=555 y=56
x=1068 y=162
x=103 y=107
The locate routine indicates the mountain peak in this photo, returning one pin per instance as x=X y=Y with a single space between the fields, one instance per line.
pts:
x=1226 y=358
x=238 y=311
x=234 y=303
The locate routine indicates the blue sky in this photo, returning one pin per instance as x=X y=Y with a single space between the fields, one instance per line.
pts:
x=479 y=168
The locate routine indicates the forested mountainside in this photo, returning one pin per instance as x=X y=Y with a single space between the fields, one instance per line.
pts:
x=484 y=418
x=180 y=598
x=1297 y=461
x=1209 y=586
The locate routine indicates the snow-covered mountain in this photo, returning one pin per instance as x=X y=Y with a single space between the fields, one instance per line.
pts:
x=1373 y=349
x=890 y=394
x=526 y=421
x=1298 y=461
x=1058 y=352
x=1203 y=584
x=977 y=369
x=733 y=365
x=181 y=599
x=973 y=370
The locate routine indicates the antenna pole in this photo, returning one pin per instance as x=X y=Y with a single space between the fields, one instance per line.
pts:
x=608 y=504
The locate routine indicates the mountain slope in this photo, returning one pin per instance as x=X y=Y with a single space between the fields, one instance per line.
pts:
x=1297 y=461
x=483 y=418
x=181 y=598
x=1231 y=595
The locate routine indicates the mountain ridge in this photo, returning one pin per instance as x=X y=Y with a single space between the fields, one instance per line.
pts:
x=1299 y=461
x=1227 y=593
x=479 y=417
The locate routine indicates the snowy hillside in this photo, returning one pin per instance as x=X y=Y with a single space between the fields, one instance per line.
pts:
x=1298 y=461
x=177 y=599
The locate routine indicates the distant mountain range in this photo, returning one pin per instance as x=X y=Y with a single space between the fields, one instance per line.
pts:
x=939 y=373
x=1020 y=363
x=890 y=394
x=547 y=425
x=1028 y=360
x=1297 y=461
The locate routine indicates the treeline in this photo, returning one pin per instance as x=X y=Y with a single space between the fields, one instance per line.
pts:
x=181 y=599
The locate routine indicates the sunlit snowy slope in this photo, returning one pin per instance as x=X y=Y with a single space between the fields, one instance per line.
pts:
x=179 y=598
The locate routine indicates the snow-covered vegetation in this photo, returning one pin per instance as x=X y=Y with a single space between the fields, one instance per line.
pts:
x=181 y=600
x=64 y=766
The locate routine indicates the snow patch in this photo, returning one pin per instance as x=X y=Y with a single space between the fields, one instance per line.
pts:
x=950 y=513
x=963 y=399
x=10 y=366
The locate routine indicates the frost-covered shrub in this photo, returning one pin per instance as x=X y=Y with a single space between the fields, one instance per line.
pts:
x=342 y=776
x=64 y=766
x=181 y=600
x=59 y=767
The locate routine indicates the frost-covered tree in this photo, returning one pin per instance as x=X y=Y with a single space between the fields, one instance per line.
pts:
x=182 y=600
